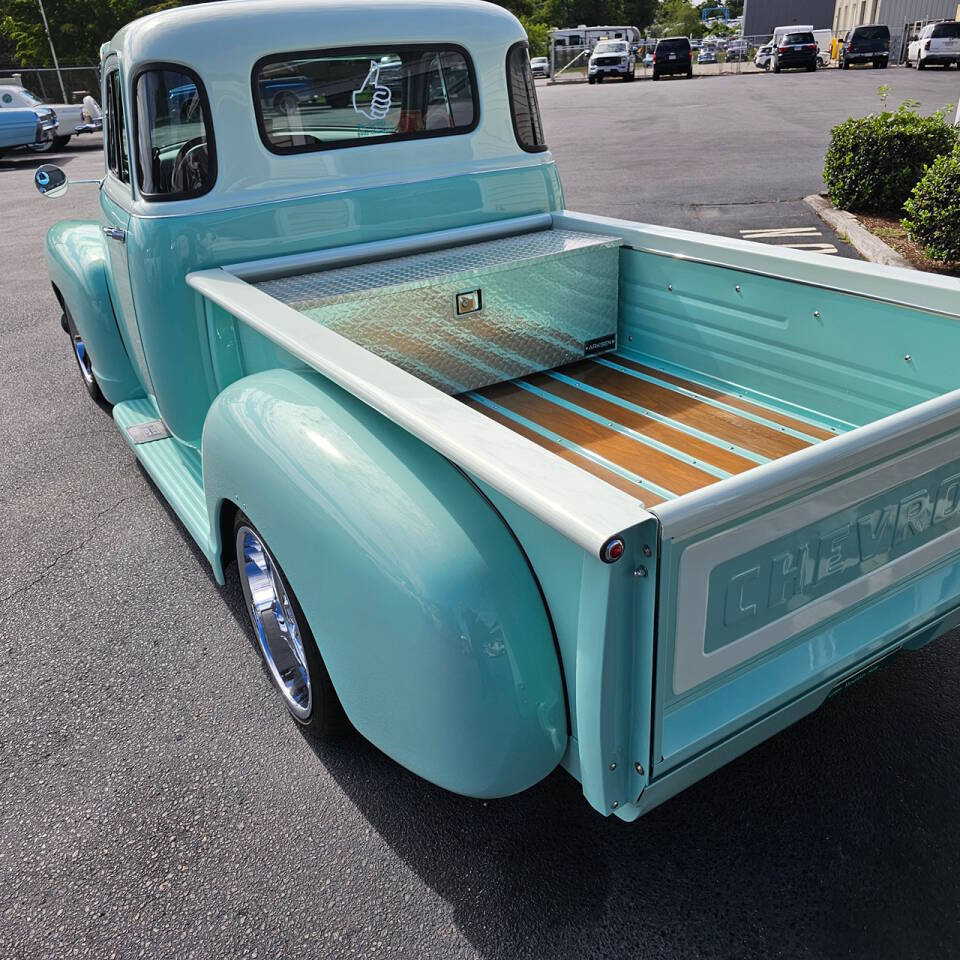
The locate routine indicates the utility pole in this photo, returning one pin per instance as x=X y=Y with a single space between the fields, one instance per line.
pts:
x=46 y=27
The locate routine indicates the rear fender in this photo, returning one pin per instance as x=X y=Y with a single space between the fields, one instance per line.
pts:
x=425 y=610
x=77 y=263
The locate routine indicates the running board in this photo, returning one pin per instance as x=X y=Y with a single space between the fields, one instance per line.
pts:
x=173 y=466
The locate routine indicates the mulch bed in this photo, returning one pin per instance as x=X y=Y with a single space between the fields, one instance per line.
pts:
x=887 y=227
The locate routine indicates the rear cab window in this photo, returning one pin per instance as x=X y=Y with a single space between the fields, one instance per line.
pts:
x=871 y=33
x=677 y=45
x=798 y=38
x=324 y=99
x=946 y=31
x=175 y=153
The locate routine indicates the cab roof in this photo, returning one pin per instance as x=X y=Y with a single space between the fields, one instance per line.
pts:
x=220 y=36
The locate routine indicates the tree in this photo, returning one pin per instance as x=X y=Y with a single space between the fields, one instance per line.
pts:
x=77 y=27
x=677 y=18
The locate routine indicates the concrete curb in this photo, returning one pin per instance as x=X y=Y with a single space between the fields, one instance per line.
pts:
x=870 y=246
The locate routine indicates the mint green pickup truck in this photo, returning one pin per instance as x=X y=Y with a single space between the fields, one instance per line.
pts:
x=508 y=486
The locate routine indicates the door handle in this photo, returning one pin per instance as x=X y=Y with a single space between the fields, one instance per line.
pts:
x=115 y=233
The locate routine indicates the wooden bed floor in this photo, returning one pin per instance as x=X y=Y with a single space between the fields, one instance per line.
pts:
x=642 y=427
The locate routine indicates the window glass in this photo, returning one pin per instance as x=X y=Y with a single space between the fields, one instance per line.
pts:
x=872 y=33
x=523 y=100
x=798 y=38
x=947 y=30
x=115 y=137
x=611 y=47
x=175 y=155
x=677 y=44
x=346 y=98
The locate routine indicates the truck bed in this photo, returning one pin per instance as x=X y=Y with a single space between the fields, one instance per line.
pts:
x=654 y=430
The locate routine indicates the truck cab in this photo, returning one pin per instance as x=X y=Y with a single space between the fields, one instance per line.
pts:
x=505 y=485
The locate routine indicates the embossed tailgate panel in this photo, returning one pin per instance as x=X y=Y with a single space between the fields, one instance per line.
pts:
x=793 y=598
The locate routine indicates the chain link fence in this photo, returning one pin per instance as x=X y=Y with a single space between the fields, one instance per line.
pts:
x=721 y=57
x=43 y=82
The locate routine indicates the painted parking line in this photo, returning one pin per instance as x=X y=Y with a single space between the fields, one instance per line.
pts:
x=791 y=233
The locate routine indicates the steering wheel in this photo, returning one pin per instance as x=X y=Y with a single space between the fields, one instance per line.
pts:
x=189 y=167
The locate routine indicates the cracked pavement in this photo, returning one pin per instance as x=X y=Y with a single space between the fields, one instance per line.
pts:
x=155 y=801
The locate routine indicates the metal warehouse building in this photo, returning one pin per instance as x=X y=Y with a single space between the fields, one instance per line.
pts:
x=899 y=15
x=761 y=16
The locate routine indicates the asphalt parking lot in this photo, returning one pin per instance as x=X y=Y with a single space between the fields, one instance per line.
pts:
x=156 y=801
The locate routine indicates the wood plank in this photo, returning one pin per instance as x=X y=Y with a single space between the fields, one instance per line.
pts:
x=674 y=475
x=723 y=424
x=671 y=436
x=755 y=408
x=647 y=497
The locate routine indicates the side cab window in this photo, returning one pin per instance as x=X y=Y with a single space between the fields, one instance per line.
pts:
x=175 y=151
x=115 y=135
x=524 y=110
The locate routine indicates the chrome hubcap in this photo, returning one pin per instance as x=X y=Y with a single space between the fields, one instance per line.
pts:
x=274 y=622
x=83 y=358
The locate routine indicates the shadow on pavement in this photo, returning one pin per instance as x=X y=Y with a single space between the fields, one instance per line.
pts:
x=782 y=853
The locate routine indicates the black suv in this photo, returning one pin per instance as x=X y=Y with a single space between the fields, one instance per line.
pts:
x=673 y=55
x=867 y=43
x=796 y=50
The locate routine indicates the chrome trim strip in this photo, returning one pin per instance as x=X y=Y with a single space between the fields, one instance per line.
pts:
x=659 y=417
x=622 y=429
x=702 y=398
x=584 y=452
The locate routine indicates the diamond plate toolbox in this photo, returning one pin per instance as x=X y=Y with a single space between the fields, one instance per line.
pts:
x=472 y=315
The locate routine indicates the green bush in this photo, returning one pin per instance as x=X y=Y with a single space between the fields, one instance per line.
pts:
x=933 y=210
x=874 y=162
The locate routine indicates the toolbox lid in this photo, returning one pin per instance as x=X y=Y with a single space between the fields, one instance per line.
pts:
x=320 y=288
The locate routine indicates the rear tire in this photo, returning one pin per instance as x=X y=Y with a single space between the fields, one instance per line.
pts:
x=290 y=654
x=920 y=64
x=60 y=142
x=83 y=358
x=776 y=68
x=689 y=74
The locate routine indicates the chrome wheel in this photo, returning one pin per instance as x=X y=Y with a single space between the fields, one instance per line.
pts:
x=274 y=622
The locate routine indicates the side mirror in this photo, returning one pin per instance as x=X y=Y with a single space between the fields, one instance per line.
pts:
x=50 y=180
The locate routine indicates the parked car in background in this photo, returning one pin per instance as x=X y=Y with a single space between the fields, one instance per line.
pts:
x=648 y=60
x=824 y=40
x=707 y=54
x=68 y=115
x=938 y=43
x=611 y=58
x=795 y=51
x=868 y=43
x=738 y=51
x=26 y=127
x=764 y=57
x=673 y=56
x=540 y=66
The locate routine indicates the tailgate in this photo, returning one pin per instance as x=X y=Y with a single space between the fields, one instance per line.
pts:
x=782 y=584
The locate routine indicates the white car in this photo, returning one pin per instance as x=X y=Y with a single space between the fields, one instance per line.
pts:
x=938 y=43
x=540 y=66
x=70 y=115
x=611 y=58
x=764 y=57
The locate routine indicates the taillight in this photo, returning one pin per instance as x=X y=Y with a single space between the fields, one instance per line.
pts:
x=848 y=47
x=781 y=49
x=811 y=46
x=926 y=45
x=654 y=56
